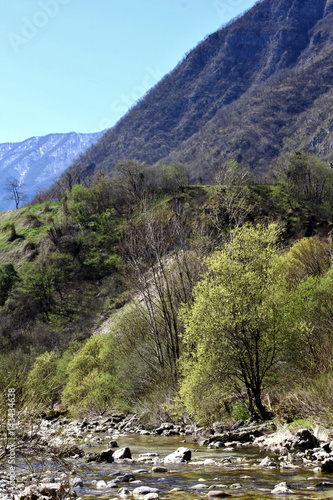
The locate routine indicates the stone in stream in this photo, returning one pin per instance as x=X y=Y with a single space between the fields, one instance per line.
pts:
x=126 y=478
x=281 y=489
x=101 y=484
x=144 y=490
x=122 y=453
x=302 y=441
x=124 y=492
x=267 y=462
x=160 y=469
x=104 y=456
x=180 y=455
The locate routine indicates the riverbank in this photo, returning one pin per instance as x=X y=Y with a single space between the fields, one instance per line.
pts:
x=111 y=457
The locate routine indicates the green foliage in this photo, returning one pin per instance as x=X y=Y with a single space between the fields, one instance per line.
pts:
x=41 y=380
x=92 y=382
x=235 y=328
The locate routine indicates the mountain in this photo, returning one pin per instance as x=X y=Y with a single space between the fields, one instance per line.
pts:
x=257 y=88
x=39 y=161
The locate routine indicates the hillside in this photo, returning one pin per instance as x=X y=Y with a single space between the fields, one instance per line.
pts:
x=256 y=89
x=39 y=161
x=95 y=291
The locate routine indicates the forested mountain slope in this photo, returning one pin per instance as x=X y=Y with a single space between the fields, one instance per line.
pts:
x=259 y=87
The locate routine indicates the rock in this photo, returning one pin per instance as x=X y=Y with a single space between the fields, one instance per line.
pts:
x=267 y=462
x=101 y=484
x=151 y=496
x=327 y=465
x=160 y=469
x=281 y=489
x=106 y=456
x=303 y=440
x=124 y=492
x=180 y=455
x=144 y=490
x=126 y=478
x=112 y=484
x=113 y=444
x=218 y=494
x=122 y=453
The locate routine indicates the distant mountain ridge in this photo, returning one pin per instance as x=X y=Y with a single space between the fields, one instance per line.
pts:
x=258 y=88
x=39 y=161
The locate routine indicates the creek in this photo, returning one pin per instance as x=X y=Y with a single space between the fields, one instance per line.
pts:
x=235 y=471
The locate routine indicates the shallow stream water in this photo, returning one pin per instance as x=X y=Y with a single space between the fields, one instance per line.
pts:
x=241 y=476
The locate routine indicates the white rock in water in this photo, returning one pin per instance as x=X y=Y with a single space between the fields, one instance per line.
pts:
x=144 y=490
x=267 y=462
x=282 y=489
x=101 y=484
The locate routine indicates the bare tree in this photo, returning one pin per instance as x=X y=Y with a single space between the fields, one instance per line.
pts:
x=15 y=191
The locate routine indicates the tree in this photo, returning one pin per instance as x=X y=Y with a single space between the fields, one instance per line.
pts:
x=14 y=188
x=304 y=178
x=234 y=329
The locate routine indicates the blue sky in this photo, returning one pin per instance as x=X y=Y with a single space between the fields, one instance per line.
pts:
x=78 y=65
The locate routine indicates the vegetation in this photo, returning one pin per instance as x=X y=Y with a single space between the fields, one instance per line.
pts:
x=140 y=291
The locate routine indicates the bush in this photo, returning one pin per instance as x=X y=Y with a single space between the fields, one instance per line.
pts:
x=92 y=381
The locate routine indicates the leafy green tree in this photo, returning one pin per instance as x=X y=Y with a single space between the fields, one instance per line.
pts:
x=41 y=379
x=92 y=381
x=234 y=330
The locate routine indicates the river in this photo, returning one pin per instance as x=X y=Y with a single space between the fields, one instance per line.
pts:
x=235 y=471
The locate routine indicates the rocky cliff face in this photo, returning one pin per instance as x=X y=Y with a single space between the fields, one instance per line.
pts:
x=249 y=91
x=39 y=161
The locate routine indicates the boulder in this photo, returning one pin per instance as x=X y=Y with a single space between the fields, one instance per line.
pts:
x=106 y=456
x=180 y=455
x=126 y=478
x=282 y=489
x=101 y=484
x=122 y=453
x=144 y=490
x=302 y=441
x=267 y=462
x=166 y=426
x=159 y=469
